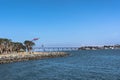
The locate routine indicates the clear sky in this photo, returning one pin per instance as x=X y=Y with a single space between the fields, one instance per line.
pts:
x=61 y=22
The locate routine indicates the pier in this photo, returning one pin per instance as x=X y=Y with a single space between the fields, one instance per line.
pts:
x=44 y=49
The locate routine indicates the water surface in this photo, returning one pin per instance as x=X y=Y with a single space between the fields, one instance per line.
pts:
x=80 y=65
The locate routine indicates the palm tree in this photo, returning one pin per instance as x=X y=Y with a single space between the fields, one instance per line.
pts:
x=1 y=45
x=29 y=45
x=18 y=47
x=5 y=44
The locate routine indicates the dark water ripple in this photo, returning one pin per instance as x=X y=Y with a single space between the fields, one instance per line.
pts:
x=80 y=65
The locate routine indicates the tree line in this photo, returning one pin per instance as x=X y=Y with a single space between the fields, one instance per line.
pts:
x=8 y=46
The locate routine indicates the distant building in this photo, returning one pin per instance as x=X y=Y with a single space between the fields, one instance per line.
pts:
x=97 y=47
x=89 y=48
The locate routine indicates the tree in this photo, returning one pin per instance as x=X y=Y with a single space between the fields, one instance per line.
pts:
x=5 y=44
x=29 y=45
x=18 y=47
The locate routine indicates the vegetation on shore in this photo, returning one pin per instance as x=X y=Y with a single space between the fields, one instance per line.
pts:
x=8 y=46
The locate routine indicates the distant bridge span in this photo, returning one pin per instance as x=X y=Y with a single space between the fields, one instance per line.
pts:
x=56 y=48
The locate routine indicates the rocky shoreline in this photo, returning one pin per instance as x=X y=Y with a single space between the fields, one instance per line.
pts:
x=23 y=56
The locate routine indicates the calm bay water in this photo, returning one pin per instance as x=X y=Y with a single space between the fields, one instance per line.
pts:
x=79 y=65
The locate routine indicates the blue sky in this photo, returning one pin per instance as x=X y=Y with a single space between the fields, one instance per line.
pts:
x=61 y=22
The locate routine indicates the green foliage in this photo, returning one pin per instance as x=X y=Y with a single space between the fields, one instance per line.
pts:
x=29 y=45
x=6 y=45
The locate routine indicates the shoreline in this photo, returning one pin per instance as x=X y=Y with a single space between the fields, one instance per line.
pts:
x=24 y=56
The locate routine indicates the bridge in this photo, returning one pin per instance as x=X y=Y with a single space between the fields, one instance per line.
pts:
x=55 y=49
